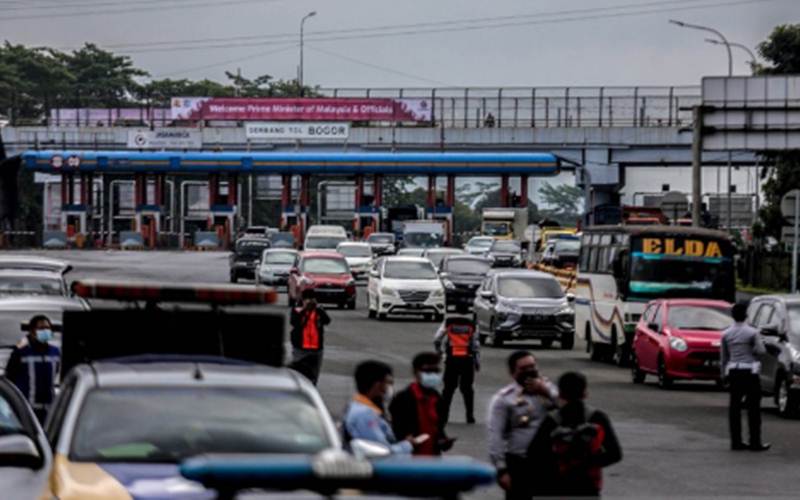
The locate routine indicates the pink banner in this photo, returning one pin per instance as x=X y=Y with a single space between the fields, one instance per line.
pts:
x=310 y=109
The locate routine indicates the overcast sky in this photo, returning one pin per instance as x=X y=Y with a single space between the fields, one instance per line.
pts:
x=541 y=42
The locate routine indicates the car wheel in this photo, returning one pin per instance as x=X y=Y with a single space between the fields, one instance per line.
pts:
x=664 y=380
x=595 y=353
x=785 y=398
x=547 y=343
x=234 y=278
x=381 y=316
x=494 y=338
x=438 y=318
x=568 y=341
x=637 y=375
x=352 y=305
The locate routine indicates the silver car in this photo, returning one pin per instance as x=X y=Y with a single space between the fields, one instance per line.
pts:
x=275 y=265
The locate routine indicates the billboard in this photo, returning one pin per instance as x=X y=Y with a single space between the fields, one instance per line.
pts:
x=165 y=138
x=301 y=109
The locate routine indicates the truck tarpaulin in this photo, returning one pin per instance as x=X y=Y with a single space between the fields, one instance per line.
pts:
x=301 y=109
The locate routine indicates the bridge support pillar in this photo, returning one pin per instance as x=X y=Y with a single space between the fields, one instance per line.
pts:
x=504 y=197
x=523 y=191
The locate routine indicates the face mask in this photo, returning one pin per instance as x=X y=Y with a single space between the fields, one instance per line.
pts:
x=527 y=374
x=388 y=396
x=44 y=335
x=430 y=380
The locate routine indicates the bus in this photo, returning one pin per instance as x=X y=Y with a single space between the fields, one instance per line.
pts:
x=621 y=268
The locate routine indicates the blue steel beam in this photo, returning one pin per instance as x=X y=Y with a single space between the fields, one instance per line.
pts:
x=346 y=163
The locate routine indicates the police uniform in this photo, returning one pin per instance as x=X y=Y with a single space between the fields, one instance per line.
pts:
x=456 y=339
x=739 y=350
x=34 y=368
x=514 y=418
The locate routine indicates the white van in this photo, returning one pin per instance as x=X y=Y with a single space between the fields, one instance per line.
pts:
x=326 y=230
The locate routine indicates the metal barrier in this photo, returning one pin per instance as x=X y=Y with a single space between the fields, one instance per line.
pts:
x=130 y=240
x=452 y=107
x=54 y=239
x=206 y=240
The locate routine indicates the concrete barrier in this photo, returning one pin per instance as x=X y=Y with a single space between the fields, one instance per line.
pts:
x=54 y=239
x=206 y=240
x=131 y=240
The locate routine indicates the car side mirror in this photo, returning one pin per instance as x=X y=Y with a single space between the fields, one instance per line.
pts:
x=770 y=331
x=570 y=297
x=19 y=450
x=294 y=270
x=368 y=450
x=485 y=294
x=374 y=273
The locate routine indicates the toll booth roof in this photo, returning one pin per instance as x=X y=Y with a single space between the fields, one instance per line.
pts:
x=402 y=163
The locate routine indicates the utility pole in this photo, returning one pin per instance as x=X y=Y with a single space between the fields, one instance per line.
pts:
x=300 y=72
x=697 y=165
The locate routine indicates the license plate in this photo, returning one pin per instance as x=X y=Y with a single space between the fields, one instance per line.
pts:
x=712 y=363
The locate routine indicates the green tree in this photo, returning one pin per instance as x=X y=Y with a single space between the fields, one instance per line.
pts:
x=782 y=52
x=100 y=77
x=159 y=92
x=565 y=202
x=29 y=79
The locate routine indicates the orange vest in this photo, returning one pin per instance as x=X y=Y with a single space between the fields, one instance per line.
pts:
x=460 y=337
x=310 y=332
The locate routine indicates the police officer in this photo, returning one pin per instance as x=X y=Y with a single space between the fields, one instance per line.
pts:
x=457 y=340
x=308 y=335
x=740 y=347
x=515 y=414
x=33 y=366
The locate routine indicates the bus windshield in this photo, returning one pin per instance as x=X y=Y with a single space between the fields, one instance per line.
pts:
x=496 y=228
x=681 y=267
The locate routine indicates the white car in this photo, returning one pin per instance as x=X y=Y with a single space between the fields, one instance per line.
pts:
x=479 y=245
x=358 y=257
x=405 y=285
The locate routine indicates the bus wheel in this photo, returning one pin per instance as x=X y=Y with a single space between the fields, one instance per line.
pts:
x=595 y=352
x=494 y=339
x=617 y=353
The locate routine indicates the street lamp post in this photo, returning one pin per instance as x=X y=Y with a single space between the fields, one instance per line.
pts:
x=745 y=48
x=302 y=26
x=727 y=44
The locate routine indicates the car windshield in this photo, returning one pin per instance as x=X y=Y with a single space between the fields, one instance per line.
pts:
x=529 y=288
x=286 y=258
x=410 y=252
x=506 y=246
x=9 y=423
x=251 y=248
x=193 y=421
x=323 y=242
x=409 y=271
x=699 y=318
x=354 y=250
x=423 y=240
x=480 y=242
x=468 y=266
x=436 y=257
x=324 y=265
x=567 y=246
x=30 y=285
x=380 y=238
x=497 y=228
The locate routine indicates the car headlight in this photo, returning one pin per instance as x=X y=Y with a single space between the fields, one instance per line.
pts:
x=439 y=292
x=388 y=291
x=678 y=344
x=794 y=352
x=448 y=284
x=565 y=311
x=266 y=270
x=504 y=311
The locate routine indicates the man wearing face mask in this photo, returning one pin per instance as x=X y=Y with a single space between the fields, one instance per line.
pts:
x=33 y=366
x=417 y=410
x=457 y=340
x=364 y=416
x=308 y=336
x=515 y=414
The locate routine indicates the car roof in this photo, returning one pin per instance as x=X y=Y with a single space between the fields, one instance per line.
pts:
x=112 y=373
x=406 y=258
x=32 y=262
x=382 y=234
x=329 y=254
x=445 y=250
x=353 y=244
x=467 y=256
x=522 y=273
x=30 y=273
x=481 y=238
x=695 y=302
x=789 y=298
x=280 y=250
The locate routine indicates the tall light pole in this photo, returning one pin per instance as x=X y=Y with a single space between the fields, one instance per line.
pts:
x=745 y=48
x=302 y=26
x=699 y=129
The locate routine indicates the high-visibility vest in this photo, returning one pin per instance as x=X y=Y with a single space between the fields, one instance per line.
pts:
x=460 y=337
x=311 y=332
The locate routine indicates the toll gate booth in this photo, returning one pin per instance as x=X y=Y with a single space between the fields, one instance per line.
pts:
x=223 y=173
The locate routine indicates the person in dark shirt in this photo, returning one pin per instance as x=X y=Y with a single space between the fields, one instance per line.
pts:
x=573 y=445
x=417 y=410
x=308 y=336
x=34 y=364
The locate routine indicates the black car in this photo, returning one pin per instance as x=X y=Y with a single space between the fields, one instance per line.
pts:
x=462 y=275
x=778 y=319
x=562 y=253
x=382 y=244
x=521 y=305
x=246 y=257
x=506 y=253
x=281 y=239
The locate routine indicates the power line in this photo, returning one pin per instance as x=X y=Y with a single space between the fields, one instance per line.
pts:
x=375 y=66
x=311 y=38
x=162 y=7
x=92 y=5
x=226 y=62
x=482 y=20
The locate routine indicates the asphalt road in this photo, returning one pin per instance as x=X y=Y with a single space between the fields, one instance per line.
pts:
x=675 y=441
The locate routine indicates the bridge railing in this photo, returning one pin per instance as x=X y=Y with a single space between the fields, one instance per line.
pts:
x=545 y=107
x=466 y=107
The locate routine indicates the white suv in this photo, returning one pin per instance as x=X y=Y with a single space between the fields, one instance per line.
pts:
x=405 y=285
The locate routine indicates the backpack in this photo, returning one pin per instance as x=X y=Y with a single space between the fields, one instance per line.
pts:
x=573 y=449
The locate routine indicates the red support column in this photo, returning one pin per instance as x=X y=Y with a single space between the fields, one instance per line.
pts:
x=233 y=190
x=504 y=190
x=431 y=192
x=64 y=189
x=450 y=198
x=378 y=190
x=523 y=191
x=286 y=192
x=305 y=194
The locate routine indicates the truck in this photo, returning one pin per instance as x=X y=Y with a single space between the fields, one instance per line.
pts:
x=394 y=217
x=423 y=233
x=505 y=224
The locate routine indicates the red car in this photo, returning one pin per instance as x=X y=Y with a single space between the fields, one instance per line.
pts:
x=679 y=339
x=328 y=274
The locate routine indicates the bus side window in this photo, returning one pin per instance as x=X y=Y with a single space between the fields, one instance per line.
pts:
x=584 y=261
x=593 y=257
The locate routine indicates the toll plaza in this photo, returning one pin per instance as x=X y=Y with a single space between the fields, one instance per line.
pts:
x=161 y=181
